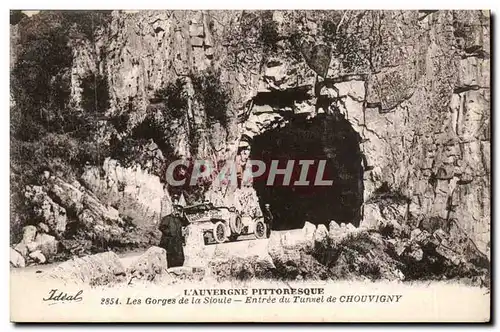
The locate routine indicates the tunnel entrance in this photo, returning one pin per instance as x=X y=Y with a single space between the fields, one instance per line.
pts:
x=324 y=137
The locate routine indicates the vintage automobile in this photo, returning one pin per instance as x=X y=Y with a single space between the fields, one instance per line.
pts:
x=221 y=224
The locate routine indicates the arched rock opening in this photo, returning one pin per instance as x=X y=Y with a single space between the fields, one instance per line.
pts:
x=328 y=137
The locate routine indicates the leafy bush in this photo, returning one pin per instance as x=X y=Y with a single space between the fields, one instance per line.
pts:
x=95 y=94
x=175 y=99
x=85 y=22
x=127 y=150
x=40 y=78
x=369 y=269
x=213 y=95
x=120 y=122
x=329 y=30
x=386 y=194
x=269 y=31
x=16 y=16
x=46 y=132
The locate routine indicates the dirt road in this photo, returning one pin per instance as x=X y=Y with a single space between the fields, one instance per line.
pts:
x=239 y=247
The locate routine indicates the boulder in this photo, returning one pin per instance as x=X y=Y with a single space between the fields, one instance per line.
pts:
x=52 y=214
x=359 y=255
x=371 y=216
x=422 y=238
x=47 y=244
x=197 y=41
x=400 y=247
x=196 y=30
x=16 y=259
x=321 y=233
x=353 y=89
x=38 y=257
x=439 y=235
x=258 y=109
x=22 y=249
x=149 y=266
x=196 y=254
x=317 y=56
x=275 y=74
x=415 y=234
x=29 y=233
x=291 y=253
x=135 y=191
x=448 y=254
x=416 y=253
x=99 y=269
x=43 y=228
x=297 y=239
x=333 y=225
x=100 y=220
x=309 y=230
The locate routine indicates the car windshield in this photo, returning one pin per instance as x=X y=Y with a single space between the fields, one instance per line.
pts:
x=198 y=208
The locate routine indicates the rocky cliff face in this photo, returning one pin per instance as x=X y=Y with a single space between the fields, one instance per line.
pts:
x=414 y=86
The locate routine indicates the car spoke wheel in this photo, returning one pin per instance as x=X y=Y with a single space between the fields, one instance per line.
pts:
x=236 y=226
x=219 y=232
x=260 y=230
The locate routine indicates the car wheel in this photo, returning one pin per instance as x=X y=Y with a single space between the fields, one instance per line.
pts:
x=219 y=232
x=236 y=225
x=260 y=230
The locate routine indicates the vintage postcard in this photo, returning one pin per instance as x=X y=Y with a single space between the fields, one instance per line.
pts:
x=250 y=166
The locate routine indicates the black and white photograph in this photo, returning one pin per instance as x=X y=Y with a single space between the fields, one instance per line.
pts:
x=250 y=165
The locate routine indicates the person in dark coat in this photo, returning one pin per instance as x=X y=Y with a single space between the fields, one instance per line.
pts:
x=172 y=239
x=268 y=218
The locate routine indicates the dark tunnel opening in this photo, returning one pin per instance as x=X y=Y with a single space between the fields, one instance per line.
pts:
x=325 y=137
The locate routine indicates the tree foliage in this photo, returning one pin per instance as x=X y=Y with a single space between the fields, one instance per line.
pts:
x=16 y=16
x=213 y=95
x=269 y=36
x=175 y=99
x=47 y=132
x=95 y=94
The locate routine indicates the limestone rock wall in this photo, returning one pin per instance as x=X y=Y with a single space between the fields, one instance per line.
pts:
x=414 y=85
x=136 y=193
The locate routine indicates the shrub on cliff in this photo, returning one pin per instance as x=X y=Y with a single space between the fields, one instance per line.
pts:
x=39 y=79
x=213 y=95
x=269 y=31
x=343 y=43
x=16 y=16
x=85 y=22
x=47 y=133
x=95 y=93
x=175 y=99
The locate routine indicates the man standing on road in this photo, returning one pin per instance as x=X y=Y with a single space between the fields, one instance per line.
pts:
x=268 y=219
x=172 y=238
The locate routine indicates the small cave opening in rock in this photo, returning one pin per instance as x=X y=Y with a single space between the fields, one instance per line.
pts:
x=282 y=99
x=330 y=138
